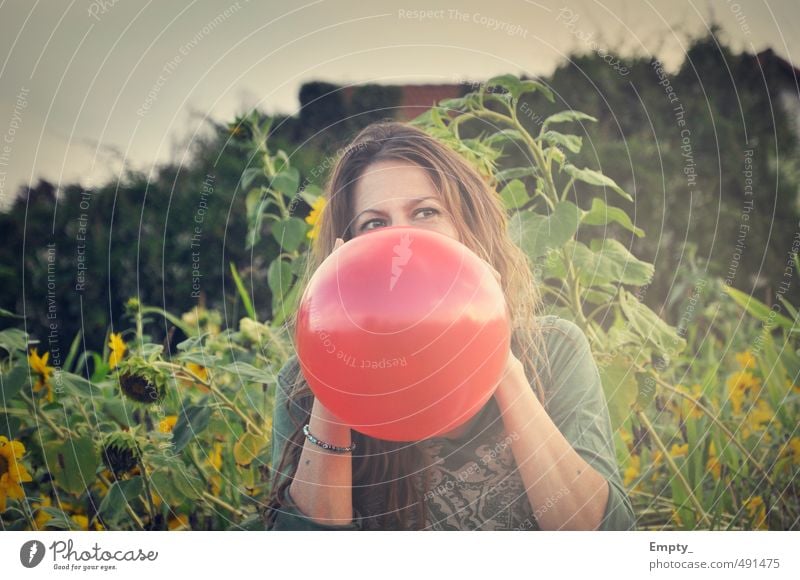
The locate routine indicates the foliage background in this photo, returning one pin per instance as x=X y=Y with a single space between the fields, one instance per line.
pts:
x=702 y=379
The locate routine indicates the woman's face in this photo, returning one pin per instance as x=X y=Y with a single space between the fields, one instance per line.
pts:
x=398 y=193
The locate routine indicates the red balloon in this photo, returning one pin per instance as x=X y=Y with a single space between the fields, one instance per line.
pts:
x=403 y=333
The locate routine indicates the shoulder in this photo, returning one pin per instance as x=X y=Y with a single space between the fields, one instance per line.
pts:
x=558 y=330
x=571 y=374
x=288 y=372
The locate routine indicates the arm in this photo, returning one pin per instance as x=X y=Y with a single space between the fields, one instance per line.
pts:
x=317 y=507
x=323 y=483
x=568 y=452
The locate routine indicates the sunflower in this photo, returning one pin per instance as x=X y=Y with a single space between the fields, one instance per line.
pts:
x=41 y=516
x=167 y=424
x=757 y=419
x=679 y=450
x=739 y=385
x=178 y=522
x=746 y=359
x=757 y=511
x=121 y=452
x=12 y=472
x=794 y=445
x=140 y=381
x=313 y=218
x=39 y=366
x=633 y=469
x=118 y=348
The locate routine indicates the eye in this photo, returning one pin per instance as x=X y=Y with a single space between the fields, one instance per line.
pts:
x=365 y=225
x=427 y=211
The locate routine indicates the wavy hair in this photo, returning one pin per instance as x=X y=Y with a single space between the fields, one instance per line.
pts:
x=390 y=477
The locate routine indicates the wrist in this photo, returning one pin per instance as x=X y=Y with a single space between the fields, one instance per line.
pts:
x=513 y=385
x=328 y=426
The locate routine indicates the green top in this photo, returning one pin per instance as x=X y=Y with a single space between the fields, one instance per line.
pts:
x=474 y=480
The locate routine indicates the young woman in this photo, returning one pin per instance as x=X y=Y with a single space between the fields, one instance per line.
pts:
x=539 y=454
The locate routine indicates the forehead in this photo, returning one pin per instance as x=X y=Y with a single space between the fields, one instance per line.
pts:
x=390 y=183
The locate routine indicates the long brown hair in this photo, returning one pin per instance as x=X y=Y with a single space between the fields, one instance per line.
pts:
x=385 y=473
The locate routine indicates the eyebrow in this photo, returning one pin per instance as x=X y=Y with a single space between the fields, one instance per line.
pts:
x=411 y=203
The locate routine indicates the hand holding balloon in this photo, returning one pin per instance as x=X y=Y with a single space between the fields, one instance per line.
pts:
x=403 y=333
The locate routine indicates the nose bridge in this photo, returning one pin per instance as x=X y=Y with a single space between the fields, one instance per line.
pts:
x=398 y=215
x=399 y=218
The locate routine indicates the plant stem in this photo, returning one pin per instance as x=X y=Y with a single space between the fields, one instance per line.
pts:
x=44 y=417
x=151 y=505
x=716 y=422
x=222 y=503
x=175 y=368
x=671 y=462
x=128 y=507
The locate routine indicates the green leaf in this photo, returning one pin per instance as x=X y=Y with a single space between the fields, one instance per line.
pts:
x=120 y=494
x=247 y=448
x=593 y=177
x=503 y=137
x=9 y=425
x=554 y=154
x=279 y=278
x=517 y=87
x=287 y=182
x=73 y=463
x=191 y=422
x=310 y=193
x=602 y=294
x=73 y=351
x=514 y=194
x=601 y=214
x=247 y=372
x=287 y=306
x=266 y=125
x=569 y=142
x=567 y=117
x=243 y=294
x=647 y=389
x=13 y=339
x=758 y=309
x=75 y=384
x=460 y=103
x=176 y=485
x=11 y=382
x=649 y=326
x=515 y=173
x=204 y=358
x=620 y=387
x=608 y=261
x=116 y=410
x=59 y=520
x=535 y=233
x=290 y=233
x=248 y=175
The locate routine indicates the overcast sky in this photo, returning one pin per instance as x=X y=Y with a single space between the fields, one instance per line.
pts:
x=86 y=86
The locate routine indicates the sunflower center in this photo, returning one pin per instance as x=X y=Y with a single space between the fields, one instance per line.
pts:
x=3 y=465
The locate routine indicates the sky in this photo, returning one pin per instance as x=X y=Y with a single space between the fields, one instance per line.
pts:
x=88 y=87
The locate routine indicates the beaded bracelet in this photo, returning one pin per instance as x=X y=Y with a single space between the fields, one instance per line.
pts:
x=324 y=445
